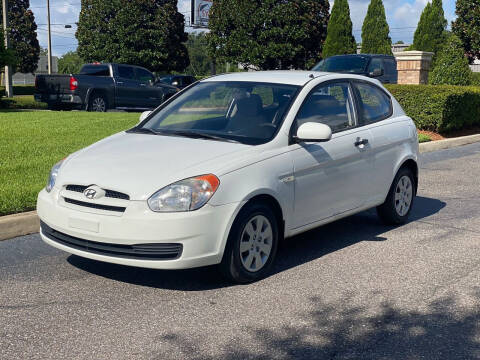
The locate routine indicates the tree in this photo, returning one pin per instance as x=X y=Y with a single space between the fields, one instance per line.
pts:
x=70 y=63
x=268 y=34
x=375 y=30
x=7 y=56
x=452 y=65
x=467 y=27
x=22 y=35
x=431 y=34
x=147 y=33
x=400 y=42
x=339 y=32
x=200 y=62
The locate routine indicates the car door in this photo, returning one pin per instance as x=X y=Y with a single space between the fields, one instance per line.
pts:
x=127 y=87
x=331 y=177
x=389 y=134
x=150 y=95
x=377 y=63
x=391 y=73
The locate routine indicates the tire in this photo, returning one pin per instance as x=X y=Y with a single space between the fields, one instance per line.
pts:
x=97 y=103
x=398 y=205
x=250 y=254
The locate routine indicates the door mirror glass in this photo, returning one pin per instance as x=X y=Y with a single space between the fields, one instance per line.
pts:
x=144 y=115
x=376 y=73
x=313 y=132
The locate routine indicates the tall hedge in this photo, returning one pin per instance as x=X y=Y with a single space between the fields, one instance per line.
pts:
x=451 y=65
x=339 y=39
x=440 y=108
x=375 y=30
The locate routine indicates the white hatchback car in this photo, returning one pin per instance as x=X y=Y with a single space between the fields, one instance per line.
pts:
x=225 y=169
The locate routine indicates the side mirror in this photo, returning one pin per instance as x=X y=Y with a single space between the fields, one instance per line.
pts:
x=376 y=73
x=313 y=132
x=144 y=115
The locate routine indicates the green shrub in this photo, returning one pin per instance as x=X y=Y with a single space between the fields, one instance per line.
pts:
x=423 y=138
x=476 y=78
x=440 y=108
x=451 y=65
x=20 y=89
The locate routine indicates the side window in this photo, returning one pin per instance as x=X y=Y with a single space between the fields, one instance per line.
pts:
x=328 y=104
x=144 y=75
x=375 y=105
x=375 y=63
x=126 y=72
x=390 y=66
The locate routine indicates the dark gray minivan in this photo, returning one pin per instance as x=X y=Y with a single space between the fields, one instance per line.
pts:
x=381 y=67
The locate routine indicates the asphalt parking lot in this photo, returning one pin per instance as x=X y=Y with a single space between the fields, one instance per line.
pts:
x=354 y=289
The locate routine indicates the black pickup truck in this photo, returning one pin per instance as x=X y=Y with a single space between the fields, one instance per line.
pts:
x=99 y=87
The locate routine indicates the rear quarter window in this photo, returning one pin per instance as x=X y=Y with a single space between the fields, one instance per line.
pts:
x=374 y=104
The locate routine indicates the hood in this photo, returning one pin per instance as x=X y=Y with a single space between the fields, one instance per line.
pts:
x=141 y=164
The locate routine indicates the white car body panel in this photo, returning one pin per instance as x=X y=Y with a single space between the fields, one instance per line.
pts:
x=304 y=179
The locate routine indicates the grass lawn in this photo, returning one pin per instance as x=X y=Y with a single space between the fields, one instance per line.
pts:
x=32 y=141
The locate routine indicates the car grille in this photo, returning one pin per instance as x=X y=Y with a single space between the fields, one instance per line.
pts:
x=95 y=206
x=108 y=193
x=138 y=251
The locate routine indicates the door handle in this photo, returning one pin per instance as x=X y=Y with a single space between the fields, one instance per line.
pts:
x=143 y=85
x=361 y=142
x=119 y=82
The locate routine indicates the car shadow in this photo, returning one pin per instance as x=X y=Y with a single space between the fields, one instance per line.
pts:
x=293 y=252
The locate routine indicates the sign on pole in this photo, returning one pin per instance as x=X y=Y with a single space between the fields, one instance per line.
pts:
x=200 y=12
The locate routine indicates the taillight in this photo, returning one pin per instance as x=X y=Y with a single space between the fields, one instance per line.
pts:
x=36 y=82
x=73 y=83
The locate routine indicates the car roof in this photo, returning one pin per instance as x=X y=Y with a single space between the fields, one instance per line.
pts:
x=290 y=77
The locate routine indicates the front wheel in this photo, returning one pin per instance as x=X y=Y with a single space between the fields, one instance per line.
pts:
x=396 y=208
x=252 y=244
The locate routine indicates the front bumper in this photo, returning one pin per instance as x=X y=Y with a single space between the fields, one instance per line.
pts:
x=201 y=234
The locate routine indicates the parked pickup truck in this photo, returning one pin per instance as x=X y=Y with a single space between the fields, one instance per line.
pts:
x=99 y=87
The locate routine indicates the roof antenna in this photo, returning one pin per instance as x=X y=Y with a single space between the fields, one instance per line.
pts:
x=311 y=76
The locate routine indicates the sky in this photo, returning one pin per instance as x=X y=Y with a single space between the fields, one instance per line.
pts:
x=402 y=17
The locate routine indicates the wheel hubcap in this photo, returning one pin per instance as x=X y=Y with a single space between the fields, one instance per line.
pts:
x=403 y=195
x=98 y=104
x=256 y=243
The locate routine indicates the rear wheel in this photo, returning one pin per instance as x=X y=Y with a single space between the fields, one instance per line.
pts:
x=97 y=103
x=252 y=244
x=396 y=208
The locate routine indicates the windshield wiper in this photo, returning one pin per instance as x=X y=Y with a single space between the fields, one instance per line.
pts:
x=144 y=131
x=201 y=135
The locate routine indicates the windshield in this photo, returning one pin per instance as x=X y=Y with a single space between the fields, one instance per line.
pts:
x=245 y=112
x=344 y=64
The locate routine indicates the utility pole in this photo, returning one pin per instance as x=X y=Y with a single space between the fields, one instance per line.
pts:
x=49 y=39
x=8 y=69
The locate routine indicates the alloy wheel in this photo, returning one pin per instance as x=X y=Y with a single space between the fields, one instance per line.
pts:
x=256 y=243
x=403 y=195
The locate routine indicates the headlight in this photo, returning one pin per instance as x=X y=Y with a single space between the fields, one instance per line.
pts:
x=53 y=176
x=185 y=195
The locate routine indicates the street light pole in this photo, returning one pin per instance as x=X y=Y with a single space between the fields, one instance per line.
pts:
x=8 y=69
x=49 y=39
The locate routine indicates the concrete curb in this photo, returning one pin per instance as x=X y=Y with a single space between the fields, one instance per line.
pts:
x=18 y=224
x=448 y=143
x=28 y=223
